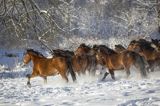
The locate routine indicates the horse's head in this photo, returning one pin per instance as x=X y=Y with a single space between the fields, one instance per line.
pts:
x=101 y=52
x=31 y=53
x=135 y=46
x=131 y=45
x=100 y=56
x=27 y=57
x=156 y=44
x=82 y=50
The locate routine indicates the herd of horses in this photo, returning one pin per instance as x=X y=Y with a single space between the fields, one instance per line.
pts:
x=142 y=54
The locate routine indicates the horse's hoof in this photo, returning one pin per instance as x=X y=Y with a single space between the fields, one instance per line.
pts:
x=29 y=84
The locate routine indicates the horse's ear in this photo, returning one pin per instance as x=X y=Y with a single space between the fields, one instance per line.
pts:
x=115 y=46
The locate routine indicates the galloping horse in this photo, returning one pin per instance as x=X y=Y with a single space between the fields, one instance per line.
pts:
x=146 y=49
x=117 y=61
x=84 y=60
x=44 y=67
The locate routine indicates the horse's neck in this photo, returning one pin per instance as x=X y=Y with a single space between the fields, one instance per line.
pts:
x=35 y=58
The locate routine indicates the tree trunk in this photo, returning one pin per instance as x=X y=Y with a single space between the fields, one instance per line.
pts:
x=158 y=14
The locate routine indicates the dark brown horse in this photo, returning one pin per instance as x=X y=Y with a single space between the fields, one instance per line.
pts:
x=117 y=61
x=146 y=49
x=44 y=67
x=84 y=60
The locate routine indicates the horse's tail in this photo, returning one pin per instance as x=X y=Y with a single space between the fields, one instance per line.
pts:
x=70 y=69
x=141 y=63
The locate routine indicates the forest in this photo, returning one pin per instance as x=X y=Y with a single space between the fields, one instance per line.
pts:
x=51 y=22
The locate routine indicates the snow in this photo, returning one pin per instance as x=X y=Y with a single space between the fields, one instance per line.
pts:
x=87 y=91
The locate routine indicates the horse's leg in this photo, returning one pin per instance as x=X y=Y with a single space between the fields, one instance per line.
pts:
x=105 y=75
x=64 y=76
x=127 y=71
x=151 y=66
x=28 y=82
x=29 y=76
x=45 y=79
x=112 y=74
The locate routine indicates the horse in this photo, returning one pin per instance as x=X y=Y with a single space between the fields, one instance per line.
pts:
x=44 y=67
x=83 y=60
x=118 y=61
x=146 y=49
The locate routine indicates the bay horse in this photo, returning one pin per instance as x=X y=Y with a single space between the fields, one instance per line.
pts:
x=83 y=60
x=117 y=61
x=44 y=67
x=146 y=49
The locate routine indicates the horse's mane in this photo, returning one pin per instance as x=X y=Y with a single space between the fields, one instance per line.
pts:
x=155 y=41
x=133 y=41
x=35 y=52
x=120 y=46
x=106 y=49
x=63 y=53
x=84 y=45
x=145 y=44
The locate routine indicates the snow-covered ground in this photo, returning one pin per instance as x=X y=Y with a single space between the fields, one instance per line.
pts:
x=87 y=91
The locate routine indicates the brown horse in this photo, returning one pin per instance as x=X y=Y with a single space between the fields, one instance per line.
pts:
x=117 y=61
x=146 y=49
x=44 y=67
x=80 y=59
x=83 y=60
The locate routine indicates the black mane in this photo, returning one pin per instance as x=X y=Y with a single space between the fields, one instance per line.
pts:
x=104 y=49
x=35 y=52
